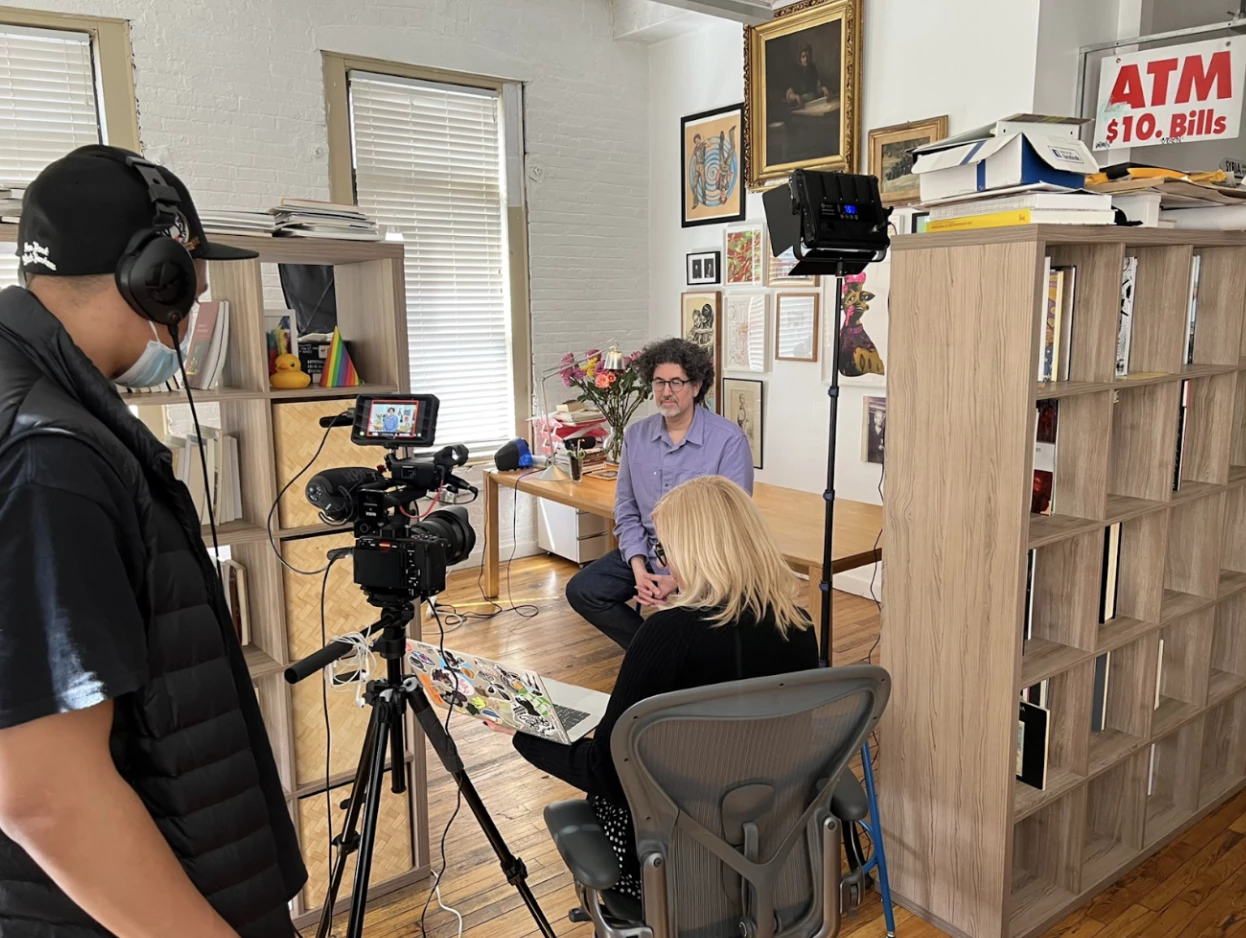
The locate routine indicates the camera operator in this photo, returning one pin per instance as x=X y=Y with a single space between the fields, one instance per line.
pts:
x=138 y=792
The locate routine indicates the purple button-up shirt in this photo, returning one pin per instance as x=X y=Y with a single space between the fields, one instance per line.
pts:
x=652 y=465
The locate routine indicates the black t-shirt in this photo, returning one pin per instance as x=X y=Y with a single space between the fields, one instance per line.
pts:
x=71 y=631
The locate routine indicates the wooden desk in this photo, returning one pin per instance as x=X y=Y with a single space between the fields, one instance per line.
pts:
x=794 y=518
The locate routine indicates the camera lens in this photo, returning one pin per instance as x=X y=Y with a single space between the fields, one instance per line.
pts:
x=451 y=525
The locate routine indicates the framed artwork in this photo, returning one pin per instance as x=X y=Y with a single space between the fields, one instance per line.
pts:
x=891 y=157
x=873 y=429
x=744 y=251
x=802 y=72
x=777 y=275
x=743 y=397
x=862 y=354
x=703 y=267
x=744 y=331
x=710 y=166
x=699 y=323
x=796 y=327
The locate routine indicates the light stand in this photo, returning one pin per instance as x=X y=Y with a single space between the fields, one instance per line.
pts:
x=834 y=224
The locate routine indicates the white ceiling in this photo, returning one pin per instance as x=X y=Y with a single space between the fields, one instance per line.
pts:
x=650 y=21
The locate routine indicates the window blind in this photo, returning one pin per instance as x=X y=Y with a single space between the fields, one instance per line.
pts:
x=428 y=162
x=48 y=105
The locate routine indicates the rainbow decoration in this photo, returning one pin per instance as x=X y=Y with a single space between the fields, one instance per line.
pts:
x=339 y=370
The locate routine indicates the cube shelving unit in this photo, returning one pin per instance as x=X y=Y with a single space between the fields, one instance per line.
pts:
x=284 y=608
x=971 y=848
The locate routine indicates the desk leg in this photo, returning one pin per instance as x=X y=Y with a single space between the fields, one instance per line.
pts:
x=815 y=596
x=492 y=528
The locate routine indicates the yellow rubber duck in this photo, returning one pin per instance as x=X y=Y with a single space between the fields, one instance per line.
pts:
x=289 y=375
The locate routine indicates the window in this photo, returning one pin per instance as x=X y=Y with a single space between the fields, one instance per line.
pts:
x=428 y=159
x=64 y=82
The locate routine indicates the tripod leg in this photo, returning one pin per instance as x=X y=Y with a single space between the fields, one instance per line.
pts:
x=384 y=712
x=348 y=842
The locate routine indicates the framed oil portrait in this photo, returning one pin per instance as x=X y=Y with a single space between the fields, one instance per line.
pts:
x=802 y=72
x=699 y=319
x=745 y=320
x=873 y=429
x=743 y=400
x=703 y=267
x=711 y=166
x=891 y=157
x=744 y=250
x=796 y=327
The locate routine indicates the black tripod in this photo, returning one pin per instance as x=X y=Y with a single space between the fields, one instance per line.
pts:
x=389 y=699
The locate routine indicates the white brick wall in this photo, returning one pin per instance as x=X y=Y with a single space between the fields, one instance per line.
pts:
x=230 y=95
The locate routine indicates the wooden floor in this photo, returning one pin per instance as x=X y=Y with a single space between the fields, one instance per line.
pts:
x=1195 y=887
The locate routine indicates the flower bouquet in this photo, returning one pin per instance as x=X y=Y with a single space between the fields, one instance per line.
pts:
x=616 y=392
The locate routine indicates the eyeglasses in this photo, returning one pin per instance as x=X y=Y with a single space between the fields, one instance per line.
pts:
x=675 y=384
x=658 y=552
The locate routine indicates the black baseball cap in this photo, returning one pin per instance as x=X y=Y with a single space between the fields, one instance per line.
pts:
x=80 y=214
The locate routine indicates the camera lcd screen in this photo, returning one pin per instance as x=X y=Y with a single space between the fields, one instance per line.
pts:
x=409 y=420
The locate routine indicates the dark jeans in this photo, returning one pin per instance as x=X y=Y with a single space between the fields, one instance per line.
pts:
x=604 y=593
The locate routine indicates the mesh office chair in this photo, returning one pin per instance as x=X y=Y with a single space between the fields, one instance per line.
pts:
x=730 y=788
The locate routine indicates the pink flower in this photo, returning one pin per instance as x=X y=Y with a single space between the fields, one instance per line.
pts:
x=612 y=376
x=592 y=353
x=566 y=378
x=568 y=359
x=577 y=373
x=603 y=380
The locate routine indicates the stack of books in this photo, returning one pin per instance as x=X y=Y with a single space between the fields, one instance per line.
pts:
x=306 y=218
x=223 y=479
x=11 y=203
x=209 y=341
x=230 y=222
x=1031 y=207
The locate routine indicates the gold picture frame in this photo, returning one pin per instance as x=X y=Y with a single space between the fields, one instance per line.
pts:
x=802 y=79
x=891 y=158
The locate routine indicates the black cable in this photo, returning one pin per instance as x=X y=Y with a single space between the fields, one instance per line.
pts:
x=328 y=730
x=498 y=608
x=458 y=801
x=869 y=658
x=203 y=456
x=273 y=510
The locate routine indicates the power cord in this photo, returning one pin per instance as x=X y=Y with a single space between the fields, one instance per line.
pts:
x=328 y=729
x=524 y=610
x=203 y=456
x=268 y=525
x=869 y=658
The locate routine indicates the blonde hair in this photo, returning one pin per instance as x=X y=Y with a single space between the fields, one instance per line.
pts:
x=714 y=537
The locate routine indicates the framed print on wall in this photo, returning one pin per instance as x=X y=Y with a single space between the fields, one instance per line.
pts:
x=802 y=71
x=710 y=166
x=699 y=323
x=777 y=272
x=743 y=253
x=703 y=267
x=744 y=331
x=873 y=429
x=743 y=405
x=796 y=327
x=891 y=157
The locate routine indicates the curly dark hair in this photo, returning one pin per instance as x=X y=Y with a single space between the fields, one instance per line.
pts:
x=696 y=362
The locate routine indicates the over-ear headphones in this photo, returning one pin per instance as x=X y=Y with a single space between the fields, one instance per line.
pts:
x=156 y=274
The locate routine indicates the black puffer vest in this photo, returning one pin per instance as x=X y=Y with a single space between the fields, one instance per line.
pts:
x=191 y=742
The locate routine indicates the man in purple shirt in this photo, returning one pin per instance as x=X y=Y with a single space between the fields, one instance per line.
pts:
x=680 y=442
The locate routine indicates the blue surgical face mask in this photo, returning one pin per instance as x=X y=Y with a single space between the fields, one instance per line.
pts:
x=155 y=366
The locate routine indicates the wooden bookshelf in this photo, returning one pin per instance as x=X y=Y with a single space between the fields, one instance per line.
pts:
x=971 y=848
x=371 y=305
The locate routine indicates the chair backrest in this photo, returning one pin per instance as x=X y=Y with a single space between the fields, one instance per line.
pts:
x=729 y=784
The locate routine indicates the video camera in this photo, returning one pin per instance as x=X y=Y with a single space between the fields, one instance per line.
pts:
x=398 y=554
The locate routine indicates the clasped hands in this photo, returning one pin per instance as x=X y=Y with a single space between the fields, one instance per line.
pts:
x=653 y=588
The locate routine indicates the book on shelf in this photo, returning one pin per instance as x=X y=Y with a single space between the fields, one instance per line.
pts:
x=1050 y=350
x=233 y=222
x=223 y=482
x=1159 y=673
x=1110 y=576
x=1196 y=264
x=1031 y=568
x=308 y=218
x=209 y=342
x=1183 y=408
x=1099 y=700
x=235 y=576
x=1036 y=694
x=1125 y=322
x=1042 y=501
x=1068 y=293
x=1033 y=201
x=1024 y=216
x=1032 y=741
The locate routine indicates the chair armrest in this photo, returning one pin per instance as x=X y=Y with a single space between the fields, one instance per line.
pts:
x=583 y=844
x=849 y=802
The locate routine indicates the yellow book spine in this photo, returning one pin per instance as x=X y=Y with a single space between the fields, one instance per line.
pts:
x=1019 y=216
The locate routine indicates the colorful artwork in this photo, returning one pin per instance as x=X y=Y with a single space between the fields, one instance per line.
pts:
x=744 y=332
x=744 y=247
x=699 y=323
x=858 y=355
x=713 y=189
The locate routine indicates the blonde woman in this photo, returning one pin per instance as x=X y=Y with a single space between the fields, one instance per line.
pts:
x=735 y=616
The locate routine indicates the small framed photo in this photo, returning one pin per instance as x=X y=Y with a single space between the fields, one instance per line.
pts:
x=796 y=327
x=874 y=429
x=891 y=157
x=703 y=267
x=742 y=403
x=777 y=272
x=744 y=252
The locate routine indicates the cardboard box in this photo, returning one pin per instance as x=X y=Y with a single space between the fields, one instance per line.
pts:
x=1022 y=150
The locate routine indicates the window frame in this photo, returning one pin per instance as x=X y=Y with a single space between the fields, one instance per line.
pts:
x=337 y=65
x=114 y=61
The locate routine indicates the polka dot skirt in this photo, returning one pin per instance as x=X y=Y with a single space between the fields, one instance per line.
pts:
x=616 y=821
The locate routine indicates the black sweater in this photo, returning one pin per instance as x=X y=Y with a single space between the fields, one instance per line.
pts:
x=675 y=649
